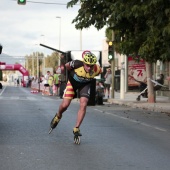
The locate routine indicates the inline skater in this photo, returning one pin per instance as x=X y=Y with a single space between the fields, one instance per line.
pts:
x=81 y=73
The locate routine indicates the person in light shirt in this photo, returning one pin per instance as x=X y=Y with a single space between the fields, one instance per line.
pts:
x=45 y=82
x=108 y=81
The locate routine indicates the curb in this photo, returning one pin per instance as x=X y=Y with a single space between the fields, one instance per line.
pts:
x=156 y=107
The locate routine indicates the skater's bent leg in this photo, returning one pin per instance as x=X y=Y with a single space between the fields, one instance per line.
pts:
x=63 y=107
x=82 y=111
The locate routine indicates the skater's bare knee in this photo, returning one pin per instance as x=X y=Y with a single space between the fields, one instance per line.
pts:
x=83 y=103
x=65 y=104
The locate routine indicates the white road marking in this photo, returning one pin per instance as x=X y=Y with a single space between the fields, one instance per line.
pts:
x=25 y=98
x=2 y=90
x=135 y=121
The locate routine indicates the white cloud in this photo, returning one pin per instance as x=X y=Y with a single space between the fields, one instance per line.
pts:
x=22 y=26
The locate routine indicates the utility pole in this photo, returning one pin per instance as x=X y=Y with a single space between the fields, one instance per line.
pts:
x=126 y=73
x=113 y=69
x=37 y=64
x=122 y=78
x=33 y=73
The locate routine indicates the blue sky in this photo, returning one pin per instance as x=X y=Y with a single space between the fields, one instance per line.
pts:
x=23 y=27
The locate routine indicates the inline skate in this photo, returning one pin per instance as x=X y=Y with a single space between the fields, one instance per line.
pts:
x=54 y=123
x=77 y=134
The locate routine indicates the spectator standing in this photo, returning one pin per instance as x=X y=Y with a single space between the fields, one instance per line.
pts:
x=108 y=81
x=15 y=82
x=56 y=83
x=45 y=82
x=62 y=85
x=18 y=82
x=51 y=83
x=99 y=93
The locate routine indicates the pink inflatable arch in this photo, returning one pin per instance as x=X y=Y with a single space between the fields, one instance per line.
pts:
x=19 y=67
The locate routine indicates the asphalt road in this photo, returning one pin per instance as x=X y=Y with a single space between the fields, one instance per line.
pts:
x=114 y=137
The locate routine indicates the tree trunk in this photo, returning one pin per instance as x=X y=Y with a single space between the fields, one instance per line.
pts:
x=151 y=94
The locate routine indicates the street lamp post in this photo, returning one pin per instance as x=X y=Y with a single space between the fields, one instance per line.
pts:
x=80 y=39
x=36 y=56
x=59 y=37
x=59 y=32
x=43 y=57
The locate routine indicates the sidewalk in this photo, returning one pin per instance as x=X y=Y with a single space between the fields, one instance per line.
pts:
x=162 y=103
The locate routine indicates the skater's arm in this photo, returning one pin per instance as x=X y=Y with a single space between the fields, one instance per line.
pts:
x=73 y=64
x=105 y=75
x=97 y=69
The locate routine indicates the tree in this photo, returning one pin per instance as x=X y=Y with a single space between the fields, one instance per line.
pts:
x=141 y=27
x=31 y=61
x=52 y=60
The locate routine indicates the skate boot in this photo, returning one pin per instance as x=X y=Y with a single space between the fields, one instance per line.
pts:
x=54 y=123
x=77 y=134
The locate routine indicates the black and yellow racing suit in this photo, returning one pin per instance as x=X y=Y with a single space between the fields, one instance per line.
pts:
x=80 y=79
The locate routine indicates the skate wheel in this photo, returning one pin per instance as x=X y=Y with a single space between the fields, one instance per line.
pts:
x=50 y=130
x=77 y=140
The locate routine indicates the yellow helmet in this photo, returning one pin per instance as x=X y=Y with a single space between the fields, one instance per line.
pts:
x=89 y=58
